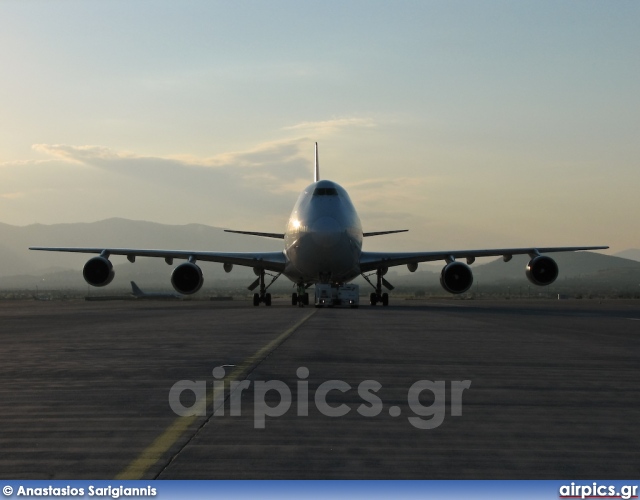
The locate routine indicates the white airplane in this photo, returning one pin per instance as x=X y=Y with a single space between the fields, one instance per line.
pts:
x=137 y=292
x=322 y=244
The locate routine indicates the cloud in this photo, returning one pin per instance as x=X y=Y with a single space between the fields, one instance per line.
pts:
x=385 y=191
x=327 y=127
x=259 y=184
x=12 y=196
x=79 y=154
x=273 y=158
x=273 y=164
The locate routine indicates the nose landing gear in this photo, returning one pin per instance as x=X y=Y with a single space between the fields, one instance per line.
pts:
x=301 y=298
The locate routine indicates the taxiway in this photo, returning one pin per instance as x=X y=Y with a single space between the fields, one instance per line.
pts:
x=554 y=389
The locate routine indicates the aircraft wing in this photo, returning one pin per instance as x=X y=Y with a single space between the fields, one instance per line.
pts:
x=254 y=233
x=270 y=261
x=370 y=261
x=379 y=233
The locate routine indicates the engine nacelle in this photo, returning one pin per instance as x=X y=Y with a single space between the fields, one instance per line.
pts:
x=187 y=278
x=98 y=271
x=456 y=277
x=542 y=270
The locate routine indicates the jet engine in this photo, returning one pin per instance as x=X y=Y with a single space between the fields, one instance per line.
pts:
x=187 y=278
x=542 y=270
x=456 y=277
x=98 y=271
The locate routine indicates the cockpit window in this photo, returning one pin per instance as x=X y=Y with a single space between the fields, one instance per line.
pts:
x=325 y=192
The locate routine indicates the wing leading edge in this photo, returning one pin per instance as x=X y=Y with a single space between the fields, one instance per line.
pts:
x=255 y=233
x=380 y=233
x=370 y=261
x=270 y=261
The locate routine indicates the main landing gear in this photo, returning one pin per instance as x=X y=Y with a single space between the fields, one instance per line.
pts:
x=266 y=299
x=262 y=296
x=377 y=296
x=374 y=298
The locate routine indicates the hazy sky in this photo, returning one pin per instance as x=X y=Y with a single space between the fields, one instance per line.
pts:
x=471 y=123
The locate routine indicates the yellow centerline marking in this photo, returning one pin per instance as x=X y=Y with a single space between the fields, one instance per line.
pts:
x=156 y=450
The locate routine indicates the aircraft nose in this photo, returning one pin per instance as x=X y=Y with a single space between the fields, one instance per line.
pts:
x=326 y=231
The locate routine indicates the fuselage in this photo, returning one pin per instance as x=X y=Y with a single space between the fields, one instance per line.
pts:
x=323 y=238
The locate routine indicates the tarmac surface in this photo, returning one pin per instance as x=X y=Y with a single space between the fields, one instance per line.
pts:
x=84 y=390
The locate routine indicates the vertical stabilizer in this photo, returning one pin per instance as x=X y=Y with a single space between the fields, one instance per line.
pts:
x=317 y=167
x=136 y=290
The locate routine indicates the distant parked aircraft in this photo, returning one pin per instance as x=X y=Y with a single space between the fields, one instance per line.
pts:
x=139 y=294
x=322 y=244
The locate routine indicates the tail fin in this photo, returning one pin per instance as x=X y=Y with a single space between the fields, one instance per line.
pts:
x=136 y=291
x=317 y=167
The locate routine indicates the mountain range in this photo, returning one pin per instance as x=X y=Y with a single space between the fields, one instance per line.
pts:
x=631 y=253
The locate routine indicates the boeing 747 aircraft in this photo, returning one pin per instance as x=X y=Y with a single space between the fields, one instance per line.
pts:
x=322 y=244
